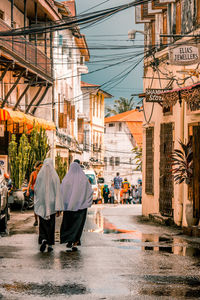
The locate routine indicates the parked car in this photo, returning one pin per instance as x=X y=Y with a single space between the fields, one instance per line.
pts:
x=93 y=180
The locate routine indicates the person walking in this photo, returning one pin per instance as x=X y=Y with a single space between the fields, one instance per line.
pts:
x=77 y=196
x=47 y=202
x=125 y=189
x=31 y=184
x=140 y=193
x=105 y=193
x=117 y=187
x=112 y=193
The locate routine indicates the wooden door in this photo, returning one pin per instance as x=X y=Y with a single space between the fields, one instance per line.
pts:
x=166 y=179
x=196 y=171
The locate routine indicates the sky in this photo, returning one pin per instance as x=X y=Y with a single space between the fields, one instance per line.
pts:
x=113 y=31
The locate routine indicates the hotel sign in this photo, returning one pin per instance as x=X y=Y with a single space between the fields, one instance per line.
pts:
x=153 y=95
x=184 y=55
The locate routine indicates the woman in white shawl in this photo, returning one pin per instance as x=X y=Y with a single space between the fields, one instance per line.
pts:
x=47 y=202
x=77 y=196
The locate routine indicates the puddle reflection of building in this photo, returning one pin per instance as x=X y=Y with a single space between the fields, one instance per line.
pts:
x=99 y=220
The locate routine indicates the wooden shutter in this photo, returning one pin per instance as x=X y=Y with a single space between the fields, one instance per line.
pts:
x=165 y=27
x=198 y=12
x=153 y=34
x=69 y=109
x=149 y=175
x=65 y=114
x=166 y=180
x=73 y=112
x=178 y=17
x=196 y=171
x=61 y=120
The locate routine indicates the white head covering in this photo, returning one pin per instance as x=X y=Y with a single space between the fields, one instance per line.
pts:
x=47 y=198
x=76 y=190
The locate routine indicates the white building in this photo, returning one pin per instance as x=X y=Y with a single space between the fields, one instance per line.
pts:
x=69 y=56
x=123 y=132
x=92 y=130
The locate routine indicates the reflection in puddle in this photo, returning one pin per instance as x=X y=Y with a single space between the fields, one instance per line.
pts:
x=149 y=242
x=47 y=289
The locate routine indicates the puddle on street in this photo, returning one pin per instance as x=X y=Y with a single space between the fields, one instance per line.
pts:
x=165 y=243
x=47 y=289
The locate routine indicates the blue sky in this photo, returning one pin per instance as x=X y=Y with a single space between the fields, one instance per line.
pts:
x=113 y=31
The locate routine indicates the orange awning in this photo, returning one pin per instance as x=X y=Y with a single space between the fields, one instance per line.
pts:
x=28 y=120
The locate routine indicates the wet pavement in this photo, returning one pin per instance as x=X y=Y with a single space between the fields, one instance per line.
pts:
x=121 y=257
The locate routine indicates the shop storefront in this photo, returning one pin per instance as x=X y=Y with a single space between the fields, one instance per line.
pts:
x=16 y=122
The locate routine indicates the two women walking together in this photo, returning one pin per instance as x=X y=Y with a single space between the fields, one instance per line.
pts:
x=73 y=197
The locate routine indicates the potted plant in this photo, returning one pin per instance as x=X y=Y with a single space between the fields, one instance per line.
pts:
x=61 y=167
x=18 y=158
x=182 y=170
x=39 y=148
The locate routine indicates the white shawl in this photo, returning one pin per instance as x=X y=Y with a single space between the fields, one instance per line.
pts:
x=47 y=198
x=76 y=190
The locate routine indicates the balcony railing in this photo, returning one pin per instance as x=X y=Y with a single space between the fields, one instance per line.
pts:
x=25 y=50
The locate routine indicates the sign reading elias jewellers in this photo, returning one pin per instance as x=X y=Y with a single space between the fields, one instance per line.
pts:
x=184 y=55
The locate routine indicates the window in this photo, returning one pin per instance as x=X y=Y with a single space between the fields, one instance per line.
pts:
x=153 y=34
x=149 y=174
x=60 y=40
x=178 y=17
x=117 y=161
x=120 y=126
x=112 y=161
x=198 y=12
x=111 y=125
x=164 y=27
x=2 y=14
x=105 y=161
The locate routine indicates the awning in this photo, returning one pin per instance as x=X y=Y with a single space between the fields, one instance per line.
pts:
x=19 y=117
x=191 y=94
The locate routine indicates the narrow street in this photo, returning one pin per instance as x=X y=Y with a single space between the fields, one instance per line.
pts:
x=121 y=257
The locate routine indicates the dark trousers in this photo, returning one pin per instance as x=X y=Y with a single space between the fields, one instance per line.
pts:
x=47 y=230
x=72 y=225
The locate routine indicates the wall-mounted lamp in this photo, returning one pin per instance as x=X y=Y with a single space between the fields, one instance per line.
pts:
x=132 y=34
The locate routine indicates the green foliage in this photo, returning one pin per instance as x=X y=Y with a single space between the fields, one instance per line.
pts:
x=138 y=157
x=61 y=167
x=19 y=159
x=182 y=163
x=39 y=148
x=120 y=106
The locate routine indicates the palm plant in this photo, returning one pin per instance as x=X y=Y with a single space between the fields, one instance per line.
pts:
x=121 y=105
x=182 y=163
x=138 y=157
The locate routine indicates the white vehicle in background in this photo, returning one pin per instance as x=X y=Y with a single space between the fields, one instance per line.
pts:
x=93 y=180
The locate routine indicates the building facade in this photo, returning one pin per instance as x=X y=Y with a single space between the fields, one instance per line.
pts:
x=123 y=132
x=91 y=131
x=171 y=105
x=26 y=76
x=69 y=56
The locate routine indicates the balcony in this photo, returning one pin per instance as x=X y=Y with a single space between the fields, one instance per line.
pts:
x=26 y=53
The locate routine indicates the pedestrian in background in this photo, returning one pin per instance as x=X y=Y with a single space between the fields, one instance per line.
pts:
x=31 y=184
x=140 y=193
x=112 y=193
x=105 y=193
x=134 y=194
x=47 y=202
x=117 y=187
x=125 y=189
x=77 y=196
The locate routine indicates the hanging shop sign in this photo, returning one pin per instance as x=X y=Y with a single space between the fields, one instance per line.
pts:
x=184 y=55
x=1 y=130
x=154 y=95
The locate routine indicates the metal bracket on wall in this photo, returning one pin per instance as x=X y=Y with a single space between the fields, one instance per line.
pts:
x=34 y=98
x=24 y=92
x=12 y=88
x=40 y=100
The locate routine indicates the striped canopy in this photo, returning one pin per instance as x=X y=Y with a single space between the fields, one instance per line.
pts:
x=4 y=115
